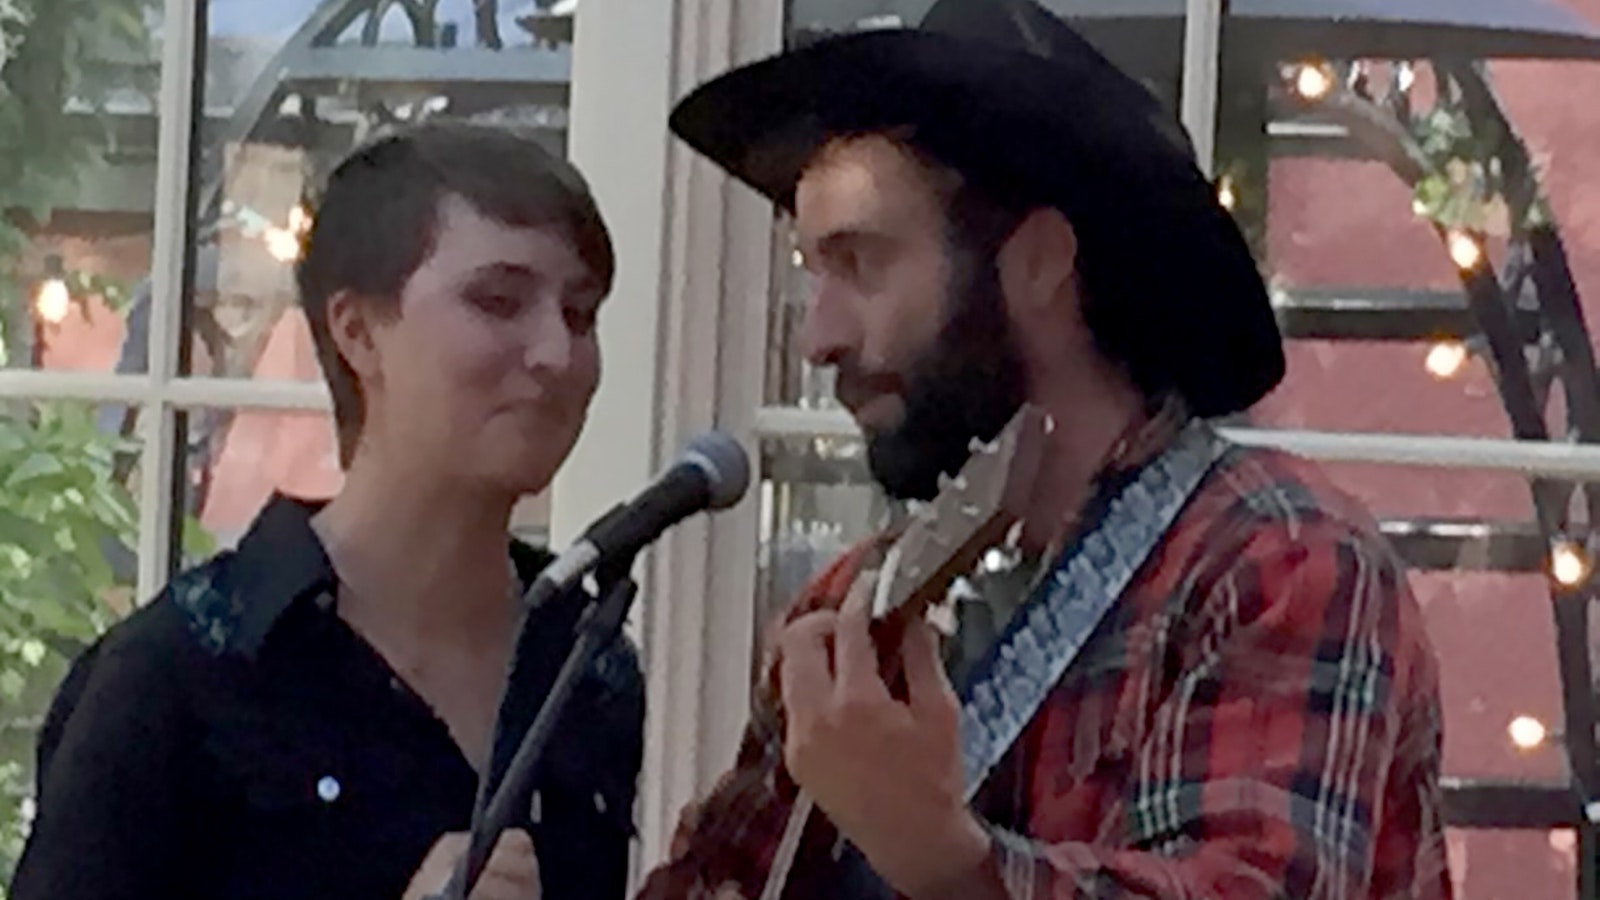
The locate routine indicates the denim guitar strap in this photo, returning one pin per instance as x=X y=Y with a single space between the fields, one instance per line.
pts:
x=1012 y=680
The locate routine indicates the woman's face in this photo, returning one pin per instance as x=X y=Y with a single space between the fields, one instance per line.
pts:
x=486 y=374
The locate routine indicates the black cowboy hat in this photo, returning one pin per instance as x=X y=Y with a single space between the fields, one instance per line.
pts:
x=1005 y=93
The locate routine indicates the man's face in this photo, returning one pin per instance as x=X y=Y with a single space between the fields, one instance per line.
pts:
x=914 y=324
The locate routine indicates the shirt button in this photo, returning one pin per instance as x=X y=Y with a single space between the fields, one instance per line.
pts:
x=600 y=803
x=394 y=684
x=536 y=809
x=328 y=788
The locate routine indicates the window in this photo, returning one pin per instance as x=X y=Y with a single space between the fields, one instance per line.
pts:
x=159 y=381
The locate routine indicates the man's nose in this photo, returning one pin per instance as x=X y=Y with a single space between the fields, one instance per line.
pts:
x=831 y=330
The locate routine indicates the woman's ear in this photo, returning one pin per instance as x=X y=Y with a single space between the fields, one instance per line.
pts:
x=350 y=321
x=1037 y=263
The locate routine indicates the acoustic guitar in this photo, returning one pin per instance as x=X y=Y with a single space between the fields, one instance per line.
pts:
x=943 y=541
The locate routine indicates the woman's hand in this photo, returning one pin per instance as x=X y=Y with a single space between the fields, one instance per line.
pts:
x=512 y=872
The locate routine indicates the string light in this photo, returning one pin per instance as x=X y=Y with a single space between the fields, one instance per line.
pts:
x=1568 y=563
x=1226 y=195
x=1527 y=733
x=798 y=258
x=1465 y=250
x=1405 y=77
x=284 y=245
x=1418 y=208
x=1446 y=359
x=53 y=301
x=1313 y=81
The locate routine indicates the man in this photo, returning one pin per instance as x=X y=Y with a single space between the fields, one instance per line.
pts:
x=1249 y=707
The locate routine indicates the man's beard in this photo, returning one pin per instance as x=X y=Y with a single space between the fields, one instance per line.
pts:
x=969 y=384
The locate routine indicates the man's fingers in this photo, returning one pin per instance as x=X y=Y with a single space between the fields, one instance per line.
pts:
x=805 y=673
x=928 y=689
x=855 y=656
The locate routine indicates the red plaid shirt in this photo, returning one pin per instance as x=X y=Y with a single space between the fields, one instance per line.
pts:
x=1258 y=716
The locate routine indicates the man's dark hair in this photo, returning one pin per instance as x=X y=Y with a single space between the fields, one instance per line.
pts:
x=377 y=218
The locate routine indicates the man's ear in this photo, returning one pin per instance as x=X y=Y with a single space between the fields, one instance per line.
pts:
x=350 y=321
x=1038 y=263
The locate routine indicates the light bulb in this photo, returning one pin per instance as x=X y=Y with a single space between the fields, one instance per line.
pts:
x=1446 y=359
x=53 y=301
x=283 y=245
x=1418 y=208
x=798 y=258
x=1226 y=195
x=1465 y=250
x=1312 y=81
x=299 y=220
x=1568 y=564
x=1405 y=77
x=1527 y=733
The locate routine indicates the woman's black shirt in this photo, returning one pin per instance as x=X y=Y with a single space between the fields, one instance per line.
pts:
x=235 y=739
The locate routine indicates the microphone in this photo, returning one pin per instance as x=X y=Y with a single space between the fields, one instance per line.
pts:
x=711 y=474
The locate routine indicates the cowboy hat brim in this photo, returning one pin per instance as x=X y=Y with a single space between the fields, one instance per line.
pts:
x=1066 y=132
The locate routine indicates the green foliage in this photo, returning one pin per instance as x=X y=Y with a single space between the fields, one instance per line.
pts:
x=63 y=511
x=1467 y=187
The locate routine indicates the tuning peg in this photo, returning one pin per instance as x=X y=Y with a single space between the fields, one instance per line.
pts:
x=945 y=483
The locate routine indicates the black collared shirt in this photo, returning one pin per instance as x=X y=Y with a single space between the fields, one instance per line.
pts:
x=236 y=739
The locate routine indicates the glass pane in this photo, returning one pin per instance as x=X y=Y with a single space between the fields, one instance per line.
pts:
x=68 y=533
x=1419 y=264
x=290 y=88
x=817 y=499
x=78 y=124
x=1494 y=865
x=239 y=458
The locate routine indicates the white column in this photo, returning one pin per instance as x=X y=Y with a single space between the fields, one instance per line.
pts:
x=1202 y=39
x=617 y=136
x=683 y=337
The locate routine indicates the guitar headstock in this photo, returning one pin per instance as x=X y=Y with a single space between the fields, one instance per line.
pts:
x=971 y=513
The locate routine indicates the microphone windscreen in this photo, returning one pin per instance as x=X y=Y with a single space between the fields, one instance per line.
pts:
x=725 y=464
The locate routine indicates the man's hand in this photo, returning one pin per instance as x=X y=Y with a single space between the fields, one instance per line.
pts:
x=512 y=872
x=888 y=773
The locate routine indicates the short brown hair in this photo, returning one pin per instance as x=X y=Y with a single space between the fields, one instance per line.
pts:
x=375 y=224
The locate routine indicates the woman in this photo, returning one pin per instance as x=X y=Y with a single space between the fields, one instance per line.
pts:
x=311 y=714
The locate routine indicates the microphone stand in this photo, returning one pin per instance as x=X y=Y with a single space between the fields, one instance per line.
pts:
x=597 y=627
